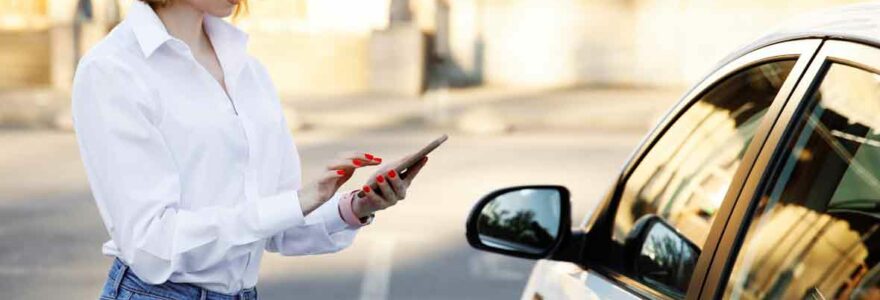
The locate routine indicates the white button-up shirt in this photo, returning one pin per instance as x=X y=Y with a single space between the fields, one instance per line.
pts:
x=192 y=185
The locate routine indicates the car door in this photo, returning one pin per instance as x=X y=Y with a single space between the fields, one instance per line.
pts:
x=687 y=174
x=807 y=224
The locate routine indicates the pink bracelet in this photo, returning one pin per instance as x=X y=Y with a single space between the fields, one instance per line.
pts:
x=346 y=210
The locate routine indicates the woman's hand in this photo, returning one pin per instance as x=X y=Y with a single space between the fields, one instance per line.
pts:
x=391 y=187
x=338 y=172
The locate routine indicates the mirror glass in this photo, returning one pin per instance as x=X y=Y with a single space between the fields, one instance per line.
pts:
x=525 y=220
x=667 y=258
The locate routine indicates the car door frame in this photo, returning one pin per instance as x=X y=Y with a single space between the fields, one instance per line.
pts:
x=601 y=223
x=842 y=51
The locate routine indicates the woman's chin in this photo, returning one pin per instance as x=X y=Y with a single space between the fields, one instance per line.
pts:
x=221 y=12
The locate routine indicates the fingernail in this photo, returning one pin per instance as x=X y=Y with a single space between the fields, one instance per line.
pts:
x=380 y=179
x=340 y=172
x=366 y=189
x=368 y=156
x=378 y=160
x=356 y=162
x=392 y=174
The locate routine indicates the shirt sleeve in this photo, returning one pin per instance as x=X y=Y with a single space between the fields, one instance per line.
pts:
x=324 y=230
x=136 y=184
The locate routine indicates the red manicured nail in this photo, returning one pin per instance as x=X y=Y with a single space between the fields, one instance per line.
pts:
x=380 y=179
x=340 y=172
x=368 y=156
x=378 y=160
x=356 y=162
x=366 y=189
x=392 y=174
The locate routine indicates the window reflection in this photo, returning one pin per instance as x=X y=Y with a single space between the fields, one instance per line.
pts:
x=816 y=229
x=686 y=174
x=684 y=177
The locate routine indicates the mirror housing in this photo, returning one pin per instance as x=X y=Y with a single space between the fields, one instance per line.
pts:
x=523 y=221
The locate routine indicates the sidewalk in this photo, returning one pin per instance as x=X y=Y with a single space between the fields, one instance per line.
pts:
x=33 y=107
x=488 y=110
x=483 y=110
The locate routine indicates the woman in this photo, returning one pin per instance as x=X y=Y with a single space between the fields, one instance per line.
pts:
x=191 y=164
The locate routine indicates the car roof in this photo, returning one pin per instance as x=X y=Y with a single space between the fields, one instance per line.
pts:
x=855 y=22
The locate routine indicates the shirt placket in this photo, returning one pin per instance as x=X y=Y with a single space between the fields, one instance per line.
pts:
x=251 y=191
x=251 y=185
x=250 y=182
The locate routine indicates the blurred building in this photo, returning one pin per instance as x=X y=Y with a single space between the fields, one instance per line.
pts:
x=41 y=39
x=337 y=47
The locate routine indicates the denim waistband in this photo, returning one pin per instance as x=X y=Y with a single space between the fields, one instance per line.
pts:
x=122 y=277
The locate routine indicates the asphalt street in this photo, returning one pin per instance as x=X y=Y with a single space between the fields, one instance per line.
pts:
x=51 y=234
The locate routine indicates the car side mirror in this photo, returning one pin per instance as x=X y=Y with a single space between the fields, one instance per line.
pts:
x=658 y=253
x=523 y=221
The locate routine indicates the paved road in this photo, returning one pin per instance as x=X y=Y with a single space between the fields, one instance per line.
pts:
x=50 y=232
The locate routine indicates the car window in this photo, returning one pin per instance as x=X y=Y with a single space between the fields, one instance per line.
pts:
x=814 y=234
x=685 y=175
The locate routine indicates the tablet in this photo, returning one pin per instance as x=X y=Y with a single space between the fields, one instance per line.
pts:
x=404 y=166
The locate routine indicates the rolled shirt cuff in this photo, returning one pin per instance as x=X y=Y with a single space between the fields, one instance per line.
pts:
x=328 y=214
x=279 y=212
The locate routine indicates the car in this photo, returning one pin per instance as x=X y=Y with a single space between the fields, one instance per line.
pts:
x=763 y=182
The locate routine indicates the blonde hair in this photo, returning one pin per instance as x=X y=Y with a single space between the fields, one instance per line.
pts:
x=240 y=9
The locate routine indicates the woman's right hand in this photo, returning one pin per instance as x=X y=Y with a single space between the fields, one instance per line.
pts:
x=337 y=173
x=392 y=186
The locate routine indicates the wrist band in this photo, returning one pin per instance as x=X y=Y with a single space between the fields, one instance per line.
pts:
x=346 y=210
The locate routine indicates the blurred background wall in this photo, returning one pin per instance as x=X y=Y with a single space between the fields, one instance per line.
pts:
x=405 y=47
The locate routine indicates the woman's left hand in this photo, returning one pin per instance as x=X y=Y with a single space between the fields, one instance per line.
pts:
x=391 y=186
x=340 y=170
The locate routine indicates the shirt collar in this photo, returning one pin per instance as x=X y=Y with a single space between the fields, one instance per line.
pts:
x=148 y=29
x=230 y=43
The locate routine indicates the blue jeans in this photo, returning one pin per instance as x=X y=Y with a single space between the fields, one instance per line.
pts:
x=123 y=284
